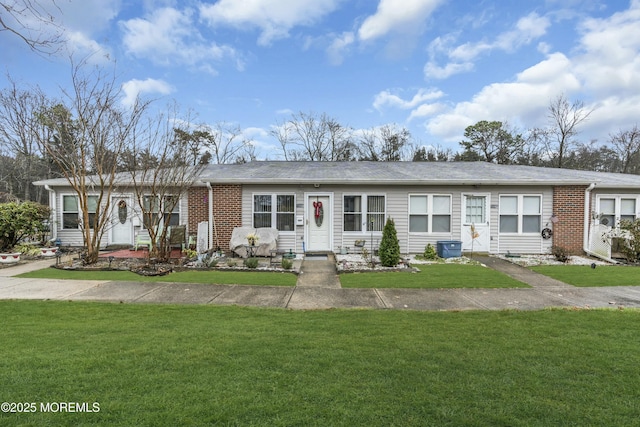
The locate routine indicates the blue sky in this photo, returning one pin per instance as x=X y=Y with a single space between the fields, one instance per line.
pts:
x=433 y=66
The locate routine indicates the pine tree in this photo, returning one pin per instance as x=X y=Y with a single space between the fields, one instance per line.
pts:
x=389 y=245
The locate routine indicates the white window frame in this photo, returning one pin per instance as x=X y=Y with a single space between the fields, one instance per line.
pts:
x=364 y=212
x=78 y=211
x=617 y=215
x=429 y=213
x=274 y=210
x=520 y=214
x=161 y=209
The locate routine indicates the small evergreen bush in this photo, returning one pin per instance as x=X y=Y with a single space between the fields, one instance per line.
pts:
x=251 y=262
x=287 y=264
x=389 y=245
x=430 y=252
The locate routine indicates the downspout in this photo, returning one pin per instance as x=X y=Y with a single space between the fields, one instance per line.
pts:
x=587 y=215
x=211 y=224
x=52 y=205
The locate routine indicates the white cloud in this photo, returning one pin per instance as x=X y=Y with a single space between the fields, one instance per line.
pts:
x=339 y=46
x=461 y=57
x=386 y=98
x=522 y=102
x=274 y=18
x=434 y=71
x=168 y=37
x=133 y=88
x=396 y=16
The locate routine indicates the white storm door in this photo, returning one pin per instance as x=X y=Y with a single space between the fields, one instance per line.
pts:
x=121 y=225
x=475 y=223
x=318 y=223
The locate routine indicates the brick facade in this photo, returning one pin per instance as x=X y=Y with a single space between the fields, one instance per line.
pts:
x=227 y=210
x=568 y=207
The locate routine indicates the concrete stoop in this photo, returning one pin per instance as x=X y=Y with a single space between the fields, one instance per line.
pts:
x=317 y=273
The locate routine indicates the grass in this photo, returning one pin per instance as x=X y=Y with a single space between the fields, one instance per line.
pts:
x=218 y=276
x=584 y=275
x=433 y=276
x=150 y=365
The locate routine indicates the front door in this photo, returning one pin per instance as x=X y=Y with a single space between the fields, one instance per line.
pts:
x=121 y=225
x=475 y=224
x=318 y=223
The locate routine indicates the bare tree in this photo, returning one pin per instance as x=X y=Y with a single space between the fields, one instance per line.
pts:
x=307 y=136
x=30 y=21
x=159 y=187
x=385 y=144
x=84 y=130
x=19 y=134
x=565 y=118
x=626 y=144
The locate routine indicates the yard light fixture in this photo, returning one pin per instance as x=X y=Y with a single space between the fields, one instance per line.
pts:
x=111 y=258
x=58 y=256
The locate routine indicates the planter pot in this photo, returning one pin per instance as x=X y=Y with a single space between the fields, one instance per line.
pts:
x=10 y=258
x=48 y=252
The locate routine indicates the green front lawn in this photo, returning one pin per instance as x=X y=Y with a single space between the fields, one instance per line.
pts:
x=218 y=276
x=584 y=275
x=149 y=365
x=434 y=276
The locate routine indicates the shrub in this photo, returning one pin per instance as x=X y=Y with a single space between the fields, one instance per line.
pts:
x=287 y=264
x=27 y=249
x=561 y=254
x=251 y=262
x=19 y=220
x=389 y=245
x=631 y=247
x=231 y=262
x=430 y=252
x=213 y=262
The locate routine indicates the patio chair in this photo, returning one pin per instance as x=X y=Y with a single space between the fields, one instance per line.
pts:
x=142 y=239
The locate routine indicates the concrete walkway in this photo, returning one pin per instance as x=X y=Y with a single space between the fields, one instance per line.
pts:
x=318 y=287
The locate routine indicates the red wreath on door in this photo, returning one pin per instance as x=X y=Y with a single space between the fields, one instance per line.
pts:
x=318 y=213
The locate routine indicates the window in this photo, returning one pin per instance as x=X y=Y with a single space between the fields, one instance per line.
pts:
x=70 y=212
x=520 y=214
x=375 y=213
x=614 y=209
x=429 y=212
x=475 y=209
x=441 y=218
x=151 y=208
x=372 y=208
x=283 y=216
x=92 y=207
x=285 y=212
x=352 y=213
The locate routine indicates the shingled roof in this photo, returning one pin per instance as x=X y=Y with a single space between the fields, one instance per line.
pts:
x=396 y=173
x=409 y=173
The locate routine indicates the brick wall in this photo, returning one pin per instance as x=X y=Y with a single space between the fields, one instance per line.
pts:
x=568 y=207
x=198 y=207
x=227 y=210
